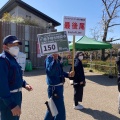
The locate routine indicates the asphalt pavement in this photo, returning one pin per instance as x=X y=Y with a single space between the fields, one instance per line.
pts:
x=100 y=99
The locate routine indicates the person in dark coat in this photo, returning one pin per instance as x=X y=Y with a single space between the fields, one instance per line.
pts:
x=118 y=78
x=11 y=81
x=78 y=80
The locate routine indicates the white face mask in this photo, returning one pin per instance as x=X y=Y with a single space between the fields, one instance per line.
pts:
x=14 y=50
x=80 y=57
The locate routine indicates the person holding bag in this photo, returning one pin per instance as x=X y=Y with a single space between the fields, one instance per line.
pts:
x=55 y=81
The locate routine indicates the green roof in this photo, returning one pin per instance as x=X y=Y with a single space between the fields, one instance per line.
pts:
x=87 y=44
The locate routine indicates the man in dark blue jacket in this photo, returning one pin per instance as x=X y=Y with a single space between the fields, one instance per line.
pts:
x=55 y=80
x=118 y=79
x=11 y=81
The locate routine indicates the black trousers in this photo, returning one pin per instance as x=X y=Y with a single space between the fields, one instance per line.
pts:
x=78 y=93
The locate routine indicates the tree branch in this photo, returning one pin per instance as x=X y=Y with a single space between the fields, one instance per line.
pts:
x=113 y=25
x=116 y=39
x=110 y=4
x=105 y=3
x=113 y=40
x=115 y=7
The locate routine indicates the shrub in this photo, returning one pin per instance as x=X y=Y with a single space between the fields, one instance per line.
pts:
x=7 y=17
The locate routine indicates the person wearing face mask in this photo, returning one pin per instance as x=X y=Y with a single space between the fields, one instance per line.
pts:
x=55 y=81
x=78 y=81
x=11 y=81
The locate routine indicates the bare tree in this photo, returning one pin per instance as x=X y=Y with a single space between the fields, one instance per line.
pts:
x=110 y=14
x=96 y=33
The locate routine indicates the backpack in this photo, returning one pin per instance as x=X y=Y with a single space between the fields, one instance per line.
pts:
x=8 y=64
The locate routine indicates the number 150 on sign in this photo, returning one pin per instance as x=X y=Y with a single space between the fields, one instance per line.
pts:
x=49 y=48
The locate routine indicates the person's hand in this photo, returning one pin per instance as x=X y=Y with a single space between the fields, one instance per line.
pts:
x=16 y=111
x=81 y=83
x=28 y=87
x=71 y=74
x=55 y=56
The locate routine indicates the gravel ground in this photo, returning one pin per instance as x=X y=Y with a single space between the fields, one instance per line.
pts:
x=100 y=98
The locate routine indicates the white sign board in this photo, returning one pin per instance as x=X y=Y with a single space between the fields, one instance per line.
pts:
x=52 y=42
x=52 y=47
x=74 y=25
x=21 y=59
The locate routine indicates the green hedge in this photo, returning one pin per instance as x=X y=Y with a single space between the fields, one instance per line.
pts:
x=105 y=67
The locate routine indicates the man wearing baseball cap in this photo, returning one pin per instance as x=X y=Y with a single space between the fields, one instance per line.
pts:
x=11 y=81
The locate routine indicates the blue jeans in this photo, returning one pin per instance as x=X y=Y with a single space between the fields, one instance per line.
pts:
x=59 y=102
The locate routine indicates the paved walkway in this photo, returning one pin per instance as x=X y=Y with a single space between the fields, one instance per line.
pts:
x=100 y=98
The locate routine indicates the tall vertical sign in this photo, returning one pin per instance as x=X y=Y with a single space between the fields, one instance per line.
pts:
x=74 y=26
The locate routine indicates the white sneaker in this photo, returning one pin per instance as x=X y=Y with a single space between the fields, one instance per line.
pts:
x=78 y=107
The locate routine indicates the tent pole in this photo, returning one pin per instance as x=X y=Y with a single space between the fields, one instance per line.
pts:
x=73 y=54
x=110 y=69
x=90 y=62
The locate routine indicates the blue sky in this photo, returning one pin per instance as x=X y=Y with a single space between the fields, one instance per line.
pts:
x=57 y=9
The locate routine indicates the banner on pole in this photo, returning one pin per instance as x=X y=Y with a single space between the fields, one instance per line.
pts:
x=74 y=25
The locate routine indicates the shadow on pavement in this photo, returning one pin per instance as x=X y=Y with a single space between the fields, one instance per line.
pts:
x=102 y=80
x=34 y=72
x=41 y=71
x=99 y=115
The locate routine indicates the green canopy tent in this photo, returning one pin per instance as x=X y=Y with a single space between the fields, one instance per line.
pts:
x=89 y=44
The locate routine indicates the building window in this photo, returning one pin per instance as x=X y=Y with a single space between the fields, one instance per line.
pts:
x=27 y=49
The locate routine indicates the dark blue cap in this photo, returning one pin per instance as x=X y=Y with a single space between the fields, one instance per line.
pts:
x=10 y=40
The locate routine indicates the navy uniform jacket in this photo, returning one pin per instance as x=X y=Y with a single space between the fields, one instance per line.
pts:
x=79 y=71
x=118 y=67
x=54 y=71
x=10 y=78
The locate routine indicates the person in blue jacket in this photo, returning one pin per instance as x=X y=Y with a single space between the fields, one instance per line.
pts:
x=55 y=81
x=11 y=81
